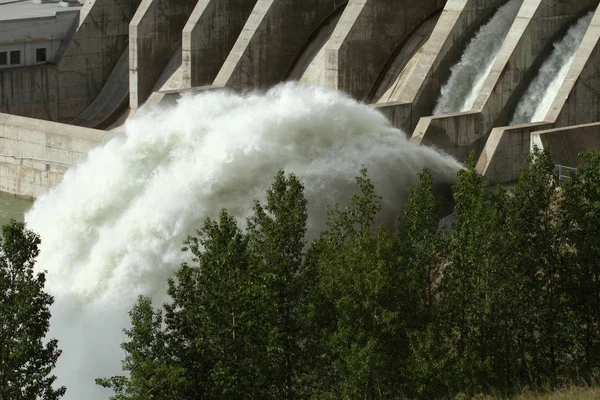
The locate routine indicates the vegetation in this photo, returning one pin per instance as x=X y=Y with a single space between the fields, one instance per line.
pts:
x=26 y=361
x=505 y=299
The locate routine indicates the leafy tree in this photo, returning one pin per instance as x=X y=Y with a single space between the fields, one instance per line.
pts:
x=26 y=362
x=151 y=374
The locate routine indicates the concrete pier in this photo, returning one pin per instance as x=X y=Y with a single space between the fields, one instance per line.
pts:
x=536 y=27
x=271 y=39
x=209 y=36
x=154 y=34
x=92 y=53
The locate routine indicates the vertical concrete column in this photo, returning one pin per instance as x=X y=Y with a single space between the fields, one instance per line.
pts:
x=92 y=53
x=370 y=30
x=154 y=34
x=209 y=36
x=271 y=39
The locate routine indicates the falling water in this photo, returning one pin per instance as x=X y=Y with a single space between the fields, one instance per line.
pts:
x=467 y=77
x=540 y=94
x=114 y=227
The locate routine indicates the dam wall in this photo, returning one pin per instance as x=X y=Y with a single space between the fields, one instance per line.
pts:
x=397 y=55
x=154 y=34
x=354 y=41
x=272 y=38
x=536 y=27
x=209 y=36
x=565 y=144
x=35 y=154
x=92 y=53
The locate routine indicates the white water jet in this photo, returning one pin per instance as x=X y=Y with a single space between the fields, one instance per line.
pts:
x=114 y=227
x=538 y=98
x=468 y=76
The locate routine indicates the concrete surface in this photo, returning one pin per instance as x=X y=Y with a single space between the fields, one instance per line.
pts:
x=209 y=36
x=35 y=154
x=113 y=97
x=505 y=152
x=155 y=33
x=356 y=53
x=273 y=37
x=565 y=144
x=536 y=27
x=30 y=91
x=92 y=53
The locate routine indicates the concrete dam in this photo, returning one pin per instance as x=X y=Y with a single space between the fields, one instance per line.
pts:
x=132 y=121
x=457 y=75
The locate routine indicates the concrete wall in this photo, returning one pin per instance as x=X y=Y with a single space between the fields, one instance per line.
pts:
x=505 y=152
x=357 y=52
x=209 y=36
x=565 y=144
x=272 y=38
x=578 y=100
x=29 y=91
x=35 y=154
x=537 y=25
x=92 y=53
x=154 y=34
x=420 y=85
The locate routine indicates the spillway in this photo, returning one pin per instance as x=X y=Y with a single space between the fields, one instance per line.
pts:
x=538 y=97
x=467 y=77
x=114 y=227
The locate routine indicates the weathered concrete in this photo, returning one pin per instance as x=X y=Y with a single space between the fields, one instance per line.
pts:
x=356 y=53
x=505 y=152
x=209 y=36
x=35 y=154
x=271 y=39
x=113 y=97
x=578 y=99
x=154 y=34
x=565 y=144
x=577 y=102
x=531 y=36
x=29 y=91
x=420 y=82
x=92 y=54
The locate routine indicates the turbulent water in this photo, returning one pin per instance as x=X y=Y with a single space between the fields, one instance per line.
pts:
x=114 y=227
x=467 y=77
x=540 y=94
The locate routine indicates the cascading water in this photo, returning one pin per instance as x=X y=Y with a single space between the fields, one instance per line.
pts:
x=467 y=77
x=537 y=100
x=114 y=227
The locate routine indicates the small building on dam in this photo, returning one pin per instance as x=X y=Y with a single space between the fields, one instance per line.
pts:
x=491 y=76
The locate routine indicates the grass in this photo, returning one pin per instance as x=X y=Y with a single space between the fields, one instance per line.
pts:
x=566 y=394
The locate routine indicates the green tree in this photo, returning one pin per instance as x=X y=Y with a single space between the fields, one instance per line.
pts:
x=152 y=374
x=26 y=362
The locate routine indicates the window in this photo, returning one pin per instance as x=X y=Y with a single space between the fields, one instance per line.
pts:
x=3 y=58
x=40 y=55
x=15 y=57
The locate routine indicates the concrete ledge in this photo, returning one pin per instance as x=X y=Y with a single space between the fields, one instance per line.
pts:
x=34 y=154
x=209 y=36
x=154 y=34
x=505 y=152
x=565 y=144
x=356 y=42
x=271 y=39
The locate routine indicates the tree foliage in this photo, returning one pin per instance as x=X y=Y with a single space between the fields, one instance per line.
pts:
x=26 y=360
x=504 y=297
